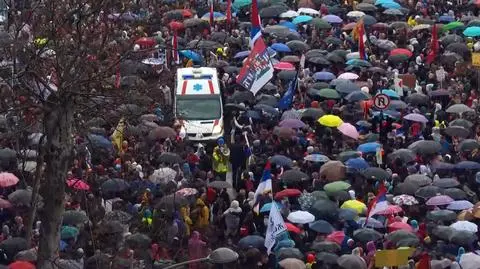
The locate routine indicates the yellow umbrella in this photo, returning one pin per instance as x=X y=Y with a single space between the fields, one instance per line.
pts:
x=40 y=41
x=355 y=205
x=330 y=120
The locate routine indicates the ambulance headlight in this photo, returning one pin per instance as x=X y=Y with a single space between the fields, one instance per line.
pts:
x=217 y=129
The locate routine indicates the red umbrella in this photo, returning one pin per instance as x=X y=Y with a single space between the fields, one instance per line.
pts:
x=401 y=52
x=336 y=237
x=287 y=193
x=176 y=25
x=21 y=265
x=292 y=228
x=399 y=226
x=5 y=203
x=146 y=42
x=380 y=26
x=8 y=179
x=391 y=210
x=349 y=27
x=78 y=184
x=284 y=66
x=187 y=13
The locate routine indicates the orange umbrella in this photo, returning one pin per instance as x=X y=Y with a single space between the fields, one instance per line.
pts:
x=21 y=265
x=401 y=52
x=292 y=228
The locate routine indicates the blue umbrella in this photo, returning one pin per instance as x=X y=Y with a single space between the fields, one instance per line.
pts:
x=391 y=5
x=347 y=214
x=472 y=31
x=390 y=93
x=467 y=165
x=100 y=141
x=321 y=226
x=388 y=113
x=266 y=207
x=289 y=25
x=281 y=160
x=460 y=205
x=332 y=19
x=216 y=16
x=357 y=163
x=326 y=76
x=379 y=2
x=302 y=19
x=190 y=54
x=369 y=147
x=358 y=62
x=446 y=18
x=242 y=54
x=280 y=47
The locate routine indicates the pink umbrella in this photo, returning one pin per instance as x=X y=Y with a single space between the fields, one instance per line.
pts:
x=292 y=123
x=336 y=237
x=348 y=130
x=400 y=226
x=5 y=203
x=78 y=184
x=391 y=210
x=439 y=200
x=8 y=179
x=284 y=66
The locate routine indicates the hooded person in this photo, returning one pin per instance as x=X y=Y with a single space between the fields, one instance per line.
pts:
x=221 y=154
x=196 y=249
x=232 y=218
x=203 y=214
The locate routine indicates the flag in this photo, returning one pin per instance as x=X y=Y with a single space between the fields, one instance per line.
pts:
x=212 y=19
x=117 y=136
x=379 y=203
x=424 y=262
x=265 y=185
x=229 y=12
x=287 y=99
x=257 y=69
x=276 y=226
x=433 y=46
x=358 y=34
x=175 y=57
x=255 y=20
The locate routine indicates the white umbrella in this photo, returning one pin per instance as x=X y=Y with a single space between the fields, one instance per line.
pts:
x=355 y=14
x=349 y=76
x=421 y=27
x=463 y=225
x=308 y=11
x=163 y=175
x=469 y=261
x=353 y=55
x=458 y=109
x=301 y=217
x=289 y=14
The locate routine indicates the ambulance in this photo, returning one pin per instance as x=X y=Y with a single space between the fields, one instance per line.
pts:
x=198 y=102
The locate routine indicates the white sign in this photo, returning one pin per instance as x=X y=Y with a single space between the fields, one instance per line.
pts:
x=276 y=226
x=381 y=101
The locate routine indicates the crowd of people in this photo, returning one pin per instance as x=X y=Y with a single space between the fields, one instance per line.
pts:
x=352 y=178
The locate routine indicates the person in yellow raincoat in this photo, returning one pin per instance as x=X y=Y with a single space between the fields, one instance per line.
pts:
x=203 y=214
x=185 y=212
x=221 y=155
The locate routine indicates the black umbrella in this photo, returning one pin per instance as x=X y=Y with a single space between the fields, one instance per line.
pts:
x=345 y=86
x=425 y=147
x=443 y=232
x=203 y=44
x=171 y=201
x=455 y=194
x=234 y=107
x=277 y=30
x=242 y=97
x=293 y=176
x=366 y=7
x=399 y=235
x=325 y=246
x=174 y=15
x=23 y=197
x=72 y=217
x=449 y=39
x=376 y=172
x=418 y=179
x=169 y=158
x=365 y=235
x=285 y=253
x=267 y=100
x=110 y=227
x=254 y=241
x=462 y=123
x=272 y=11
x=417 y=99
x=463 y=238
x=335 y=58
x=231 y=69
x=321 y=226
x=460 y=48
x=114 y=185
x=468 y=145
x=446 y=183
x=324 y=209
x=138 y=241
x=333 y=40
x=457 y=131
x=428 y=192
x=315 y=53
x=326 y=258
x=11 y=246
x=319 y=60
x=287 y=74
x=405 y=155
x=313 y=113
x=219 y=37
x=281 y=160
x=118 y=215
x=441 y=215
x=220 y=185
x=271 y=111
x=357 y=96
x=405 y=188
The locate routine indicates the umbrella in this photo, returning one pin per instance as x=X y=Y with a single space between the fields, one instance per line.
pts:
x=330 y=121
x=428 y=192
x=218 y=184
x=348 y=75
x=242 y=54
x=320 y=24
x=72 y=217
x=324 y=209
x=405 y=188
x=317 y=158
x=118 y=215
x=456 y=194
x=289 y=14
x=249 y=241
x=462 y=123
x=191 y=55
x=446 y=183
x=138 y=241
x=421 y=27
x=391 y=5
x=465 y=226
x=21 y=265
x=355 y=14
x=448 y=39
x=405 y=155
x=326 y=258
x=302 y=19
x=468 y=145
x=169 y=158
x=472 y=31
x=5 y=203
x=287 y=74
x=425 y=147
x=280 y=47
x=281 y=160
x=22 y=197
x=328 y=94
x=417 y=99
x=78 y=184
x=349 y=261
x=336 y=186
x=392 y=11
x=441 y=215
x=332 y=18
x=68 y=232
x=333 y=170
x=291 y=263
x=266 y=207
x=359 y=63
x=405 y=199
x=292 y=123
x=8 y=179
x=284 y=66
x=467 y=165
x=346 y=86
x=325 y=246
x=366 y=7
x=460 y=205
x=162 y=132
x=357 y=96
x=416 y=117
x=114 y=185
x=390 y=210
x=313 y=113
x=400 y=234
x=243 y=97
x=321 y=226
x=357 y=164
x=370 y=147
x=272 y=11
x=290 y=59
x=285 y=253
x=463 y=238
x=442 y=232
x=439 y=200
x=365 y=235
x=297 y=45
x=300 y=217
x=11 y=246
x=356 y=205
x=457 y=131
x=336 y=237
x=418 y=179
x=346 y=155
x=458 y=109
x=376 y=173
x=325 y=76
x=292 y=176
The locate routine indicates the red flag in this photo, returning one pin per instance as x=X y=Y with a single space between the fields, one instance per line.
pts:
x=118 y=78
x=255 y=19
x=229 y=12
x=424 y=262
x=211 y=13
x=175 y=57
x=433 y=46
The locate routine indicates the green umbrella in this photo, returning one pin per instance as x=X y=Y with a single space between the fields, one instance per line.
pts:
x=452 y=25
x=241 y=3
x=320 y=24
x=336 y=187
x=329 y=94
x=68 y=232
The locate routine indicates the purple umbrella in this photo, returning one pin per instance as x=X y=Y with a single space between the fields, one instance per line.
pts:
x=326 y=76
x=242 y=54
x=292 y=123
x=439 y=200
x=460 y=205
x=332 y=18
x=416 y=117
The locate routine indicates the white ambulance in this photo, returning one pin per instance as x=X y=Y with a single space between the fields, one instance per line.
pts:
x=198 y=101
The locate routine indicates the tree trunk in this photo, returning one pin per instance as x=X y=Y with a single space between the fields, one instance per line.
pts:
x=58 y=121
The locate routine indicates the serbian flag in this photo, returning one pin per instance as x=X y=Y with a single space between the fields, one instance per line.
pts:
x=359 y=34
x=433 y=46
x=229 y=12
x=379 y=203
x=212 y=19
x=255 y=19
x=265 y=185
x=175 y=57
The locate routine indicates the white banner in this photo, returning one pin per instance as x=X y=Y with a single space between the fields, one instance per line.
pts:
x=276 y=226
